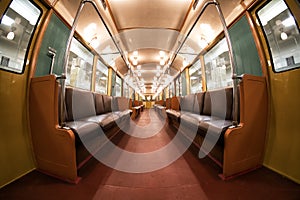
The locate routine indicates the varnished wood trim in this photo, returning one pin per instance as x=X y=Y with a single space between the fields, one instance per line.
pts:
x=111 y=15
x=187 y=14
x=261 y=53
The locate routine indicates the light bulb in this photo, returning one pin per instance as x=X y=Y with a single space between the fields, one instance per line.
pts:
x=283 y=36
x=10 y=35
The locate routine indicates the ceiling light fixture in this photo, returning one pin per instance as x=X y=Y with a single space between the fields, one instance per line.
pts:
x=135 y=54
x=283 y=35
x=135 y=62
x=10 y=35
x=162 y=54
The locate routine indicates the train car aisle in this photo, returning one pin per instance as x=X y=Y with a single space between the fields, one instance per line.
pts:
x=186 y=178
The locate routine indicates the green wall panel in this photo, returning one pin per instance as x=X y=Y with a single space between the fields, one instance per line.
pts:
x=56 y=37
x=245 y=52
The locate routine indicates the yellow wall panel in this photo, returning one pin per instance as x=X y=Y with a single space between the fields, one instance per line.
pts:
x=16 y=155
x=15 y=147
x=283 y=149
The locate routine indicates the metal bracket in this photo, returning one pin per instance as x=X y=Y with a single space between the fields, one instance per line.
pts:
x=51 y=53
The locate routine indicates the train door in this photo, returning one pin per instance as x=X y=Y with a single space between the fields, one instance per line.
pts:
x=17 y=36
x=278 y=25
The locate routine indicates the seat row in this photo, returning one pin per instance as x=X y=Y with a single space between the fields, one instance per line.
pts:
x=91 y=120
x=90 y=114
x=204 y=112
x=236 y=149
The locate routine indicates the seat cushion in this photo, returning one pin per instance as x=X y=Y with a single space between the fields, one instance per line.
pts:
x=106 y=121
x=173 y=114
x=83 y=130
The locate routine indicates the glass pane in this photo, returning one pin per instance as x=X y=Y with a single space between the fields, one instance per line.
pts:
x=101 y=78
x=218 y=70
x=126 y=90
x=178 y=86
x=282 y=35
x=196 y=77
x=79 y=72
x=16 y=30
x=118 y=86
x=172 y=89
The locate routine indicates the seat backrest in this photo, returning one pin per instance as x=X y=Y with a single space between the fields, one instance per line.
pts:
x=187 y=103
x=168 y=103
x=218 y=103
x=99 y=106
x=107 y=102
x=136 y=103
x=79 y=104
x=122 y=103
x=199 y=101
x=175 y=103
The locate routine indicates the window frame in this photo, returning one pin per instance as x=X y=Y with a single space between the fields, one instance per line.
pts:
x=28 y=47
x=266 y=38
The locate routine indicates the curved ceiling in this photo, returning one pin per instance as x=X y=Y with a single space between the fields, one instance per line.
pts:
x=148 y=34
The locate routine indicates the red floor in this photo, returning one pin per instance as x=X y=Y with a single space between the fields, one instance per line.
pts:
x=186 y=178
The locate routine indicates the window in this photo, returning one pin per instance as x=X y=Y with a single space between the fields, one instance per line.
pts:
x=16 y=31
x=118 y=86
x=217 y=66
x=178 y=86
x=101 y=78
x=172 y=89
x=195 y=73
x=282 y=34
x=79 y=71
x=126 y=92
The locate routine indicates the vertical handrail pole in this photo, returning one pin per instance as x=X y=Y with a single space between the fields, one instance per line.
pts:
x=231 y=59
x=65 y=66
x=66 y=58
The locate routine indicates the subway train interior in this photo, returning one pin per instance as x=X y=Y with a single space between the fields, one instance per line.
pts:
x=149 y=99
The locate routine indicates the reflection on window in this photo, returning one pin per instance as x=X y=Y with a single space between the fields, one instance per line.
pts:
x=282 y=34
x=101 y=78
x=79 y=72
x=118 y=86
x=126 y=92
x=217 y=66
x=196 y=77
x=178 y=86
x=172 y=89
x=16 y=30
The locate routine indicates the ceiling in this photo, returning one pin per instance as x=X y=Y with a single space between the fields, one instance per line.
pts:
x=147 y=34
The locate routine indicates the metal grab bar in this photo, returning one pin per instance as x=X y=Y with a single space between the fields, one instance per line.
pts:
x=66 y=57
x=231 y=58
x=226 y=33
x=51 y=53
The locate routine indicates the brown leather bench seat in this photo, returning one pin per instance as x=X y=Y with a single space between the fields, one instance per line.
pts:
x=91 y=114
x=211 y=110
x=238 y=149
